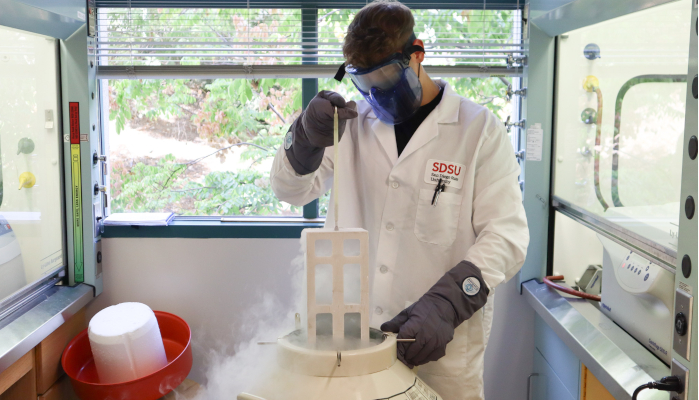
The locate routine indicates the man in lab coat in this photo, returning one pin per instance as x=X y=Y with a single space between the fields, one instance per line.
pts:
x=433 y=177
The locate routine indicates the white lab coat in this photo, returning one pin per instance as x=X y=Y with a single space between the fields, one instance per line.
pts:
x=411 y=243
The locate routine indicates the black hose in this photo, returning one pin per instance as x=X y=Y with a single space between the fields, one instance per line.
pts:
x=666 y=384
x=639 y=389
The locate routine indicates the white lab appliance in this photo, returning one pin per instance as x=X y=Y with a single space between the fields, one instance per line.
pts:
x=11 y=264
x=637 y=294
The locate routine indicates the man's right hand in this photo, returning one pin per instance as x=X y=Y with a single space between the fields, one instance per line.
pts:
x=312 y=131
x=318 y=117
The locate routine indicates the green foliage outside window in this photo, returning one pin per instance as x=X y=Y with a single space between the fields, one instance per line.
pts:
x=166 y=184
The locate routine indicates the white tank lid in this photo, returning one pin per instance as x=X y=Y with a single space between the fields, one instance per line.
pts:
x=336 y=363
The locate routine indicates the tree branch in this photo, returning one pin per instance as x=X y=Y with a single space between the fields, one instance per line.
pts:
x=489 y=100
x=271 y=107
x=327 y=15
x=225 y=148
x=189 y=190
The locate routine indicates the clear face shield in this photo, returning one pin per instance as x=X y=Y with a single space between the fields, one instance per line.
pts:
x=392 y=88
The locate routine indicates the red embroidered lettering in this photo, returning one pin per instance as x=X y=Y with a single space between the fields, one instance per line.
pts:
x=449 y=172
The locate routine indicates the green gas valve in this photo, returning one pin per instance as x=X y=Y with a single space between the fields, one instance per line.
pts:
x=25 y=146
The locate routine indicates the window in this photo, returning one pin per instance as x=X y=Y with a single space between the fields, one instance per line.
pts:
x=191 y=132
x=198 y=146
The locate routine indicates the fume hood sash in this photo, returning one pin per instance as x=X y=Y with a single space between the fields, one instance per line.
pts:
x=666 y=257
x=581 y=13
x=43 y=17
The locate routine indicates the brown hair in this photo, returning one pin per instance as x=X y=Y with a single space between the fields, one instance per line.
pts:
x=378 y=30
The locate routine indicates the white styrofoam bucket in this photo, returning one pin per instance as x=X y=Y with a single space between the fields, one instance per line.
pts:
x=126 y=342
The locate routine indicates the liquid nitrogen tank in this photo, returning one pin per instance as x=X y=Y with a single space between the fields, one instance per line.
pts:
x=337 y=355
x=353 y=373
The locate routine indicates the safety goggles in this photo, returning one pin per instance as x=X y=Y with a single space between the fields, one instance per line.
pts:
x=383 y=76
x=391 y=87
x=384 y=73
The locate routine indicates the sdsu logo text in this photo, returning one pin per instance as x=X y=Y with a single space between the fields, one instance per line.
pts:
x=449 y=172
x=448 y=168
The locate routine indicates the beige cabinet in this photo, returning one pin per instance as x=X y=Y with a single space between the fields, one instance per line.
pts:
x=591 y=388
x=19 y=381
x=38 y=374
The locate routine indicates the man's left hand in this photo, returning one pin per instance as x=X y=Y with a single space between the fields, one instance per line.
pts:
x=432 y=319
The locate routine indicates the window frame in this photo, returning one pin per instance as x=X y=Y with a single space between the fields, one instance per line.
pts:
x=241 y=227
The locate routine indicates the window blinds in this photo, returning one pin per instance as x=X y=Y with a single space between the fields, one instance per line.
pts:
x=290 y=42
x=356 y=4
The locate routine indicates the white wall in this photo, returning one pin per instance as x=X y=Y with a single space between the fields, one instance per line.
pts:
x=211 y=282
x=208 y=282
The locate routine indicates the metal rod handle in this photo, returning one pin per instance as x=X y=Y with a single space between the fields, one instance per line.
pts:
x=336 y=169
x=529 y=385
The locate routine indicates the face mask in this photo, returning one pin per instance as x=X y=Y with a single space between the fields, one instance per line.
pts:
x=391 y=88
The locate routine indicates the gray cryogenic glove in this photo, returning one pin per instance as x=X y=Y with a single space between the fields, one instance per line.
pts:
x=312 y=131
x=432 y=319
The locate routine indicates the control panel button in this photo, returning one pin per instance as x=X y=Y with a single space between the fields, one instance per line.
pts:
x=680 y=324
x=682 y=337
x=686 y=266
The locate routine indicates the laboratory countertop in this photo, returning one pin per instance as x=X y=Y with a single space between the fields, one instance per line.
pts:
x=28 y=327
x=614 y=357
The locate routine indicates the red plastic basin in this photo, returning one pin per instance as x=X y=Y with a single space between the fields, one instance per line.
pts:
x=79 y=365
